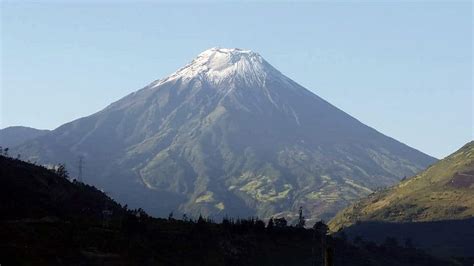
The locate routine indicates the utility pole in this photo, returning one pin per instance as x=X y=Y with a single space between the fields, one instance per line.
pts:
x=80 y=166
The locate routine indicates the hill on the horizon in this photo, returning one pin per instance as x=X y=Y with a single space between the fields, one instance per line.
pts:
x=13 y=136
x=228 y=134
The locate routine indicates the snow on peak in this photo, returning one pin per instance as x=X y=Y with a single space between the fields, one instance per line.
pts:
x=217 y=65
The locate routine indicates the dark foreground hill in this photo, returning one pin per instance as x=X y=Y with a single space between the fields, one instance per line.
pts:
x=48 y=220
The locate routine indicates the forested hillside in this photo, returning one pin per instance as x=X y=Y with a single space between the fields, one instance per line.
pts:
x=49 y=220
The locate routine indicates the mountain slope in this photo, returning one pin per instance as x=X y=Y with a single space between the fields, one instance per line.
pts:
x=13 y=136
x=229 y=134
x=444 y=191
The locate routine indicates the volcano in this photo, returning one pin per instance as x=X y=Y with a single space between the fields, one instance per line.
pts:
x=228 y=134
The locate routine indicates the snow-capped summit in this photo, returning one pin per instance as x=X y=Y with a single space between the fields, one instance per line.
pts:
x=217 y=65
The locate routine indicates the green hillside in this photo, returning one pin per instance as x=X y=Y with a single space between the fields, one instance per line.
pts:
x=444 y=191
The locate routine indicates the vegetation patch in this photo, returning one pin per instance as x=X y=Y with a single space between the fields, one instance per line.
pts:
x=207 y=197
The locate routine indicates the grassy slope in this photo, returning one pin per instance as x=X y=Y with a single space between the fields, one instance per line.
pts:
x=444 y=191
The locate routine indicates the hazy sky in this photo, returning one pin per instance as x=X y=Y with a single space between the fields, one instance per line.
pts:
x=403 y=68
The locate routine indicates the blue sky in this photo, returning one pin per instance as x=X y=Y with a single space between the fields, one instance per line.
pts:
x=404 y=68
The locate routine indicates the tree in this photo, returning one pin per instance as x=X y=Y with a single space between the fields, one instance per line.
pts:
x=321 y=228
x=301 y=221
x=61 y=171
x=5 y=152
x=201 y=220
x=271 y=224
x=280 y=222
